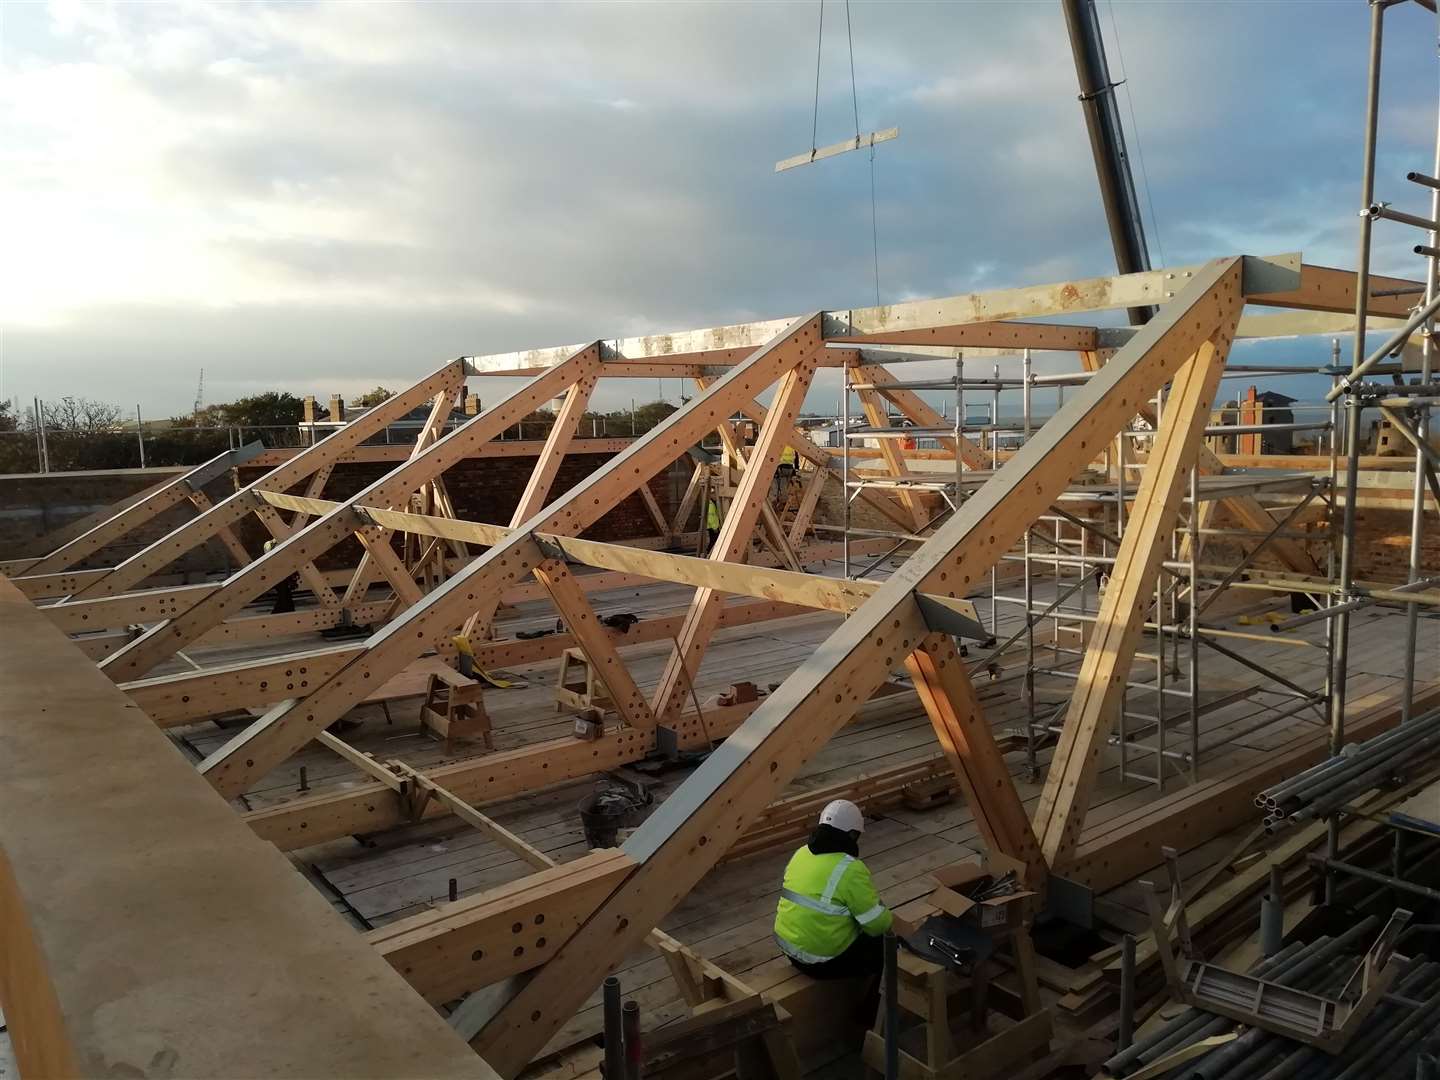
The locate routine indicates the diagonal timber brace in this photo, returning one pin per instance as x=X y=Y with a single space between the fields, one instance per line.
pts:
x=920 y=413
x=733 y=542
x=681 y=841
x=599 y=648
x=369 y=560
x=1105 y=669
x=288 y=727
x=876 y=415
x=162 y=641
x=950 y=700
x=166 y=550
x=557 y=444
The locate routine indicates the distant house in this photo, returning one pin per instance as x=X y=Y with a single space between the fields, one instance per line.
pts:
x=1276 y=411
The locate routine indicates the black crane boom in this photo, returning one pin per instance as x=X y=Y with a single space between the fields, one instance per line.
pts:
x=1107 y=143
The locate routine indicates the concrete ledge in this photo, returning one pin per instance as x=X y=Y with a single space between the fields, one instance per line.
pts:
x=144 y=930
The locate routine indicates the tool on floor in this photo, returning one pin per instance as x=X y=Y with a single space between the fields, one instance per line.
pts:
x=615 y=804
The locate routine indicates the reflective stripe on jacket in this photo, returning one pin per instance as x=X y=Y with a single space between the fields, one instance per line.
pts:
x=825 y=903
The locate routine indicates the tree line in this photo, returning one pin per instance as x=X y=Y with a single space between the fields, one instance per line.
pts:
x=84 y=433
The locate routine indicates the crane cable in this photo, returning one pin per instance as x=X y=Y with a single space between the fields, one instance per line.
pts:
x=855 y=108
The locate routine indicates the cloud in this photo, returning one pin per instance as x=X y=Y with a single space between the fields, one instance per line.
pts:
x=333 y=194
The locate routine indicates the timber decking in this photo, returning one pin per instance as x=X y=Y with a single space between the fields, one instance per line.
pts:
x=727 y=918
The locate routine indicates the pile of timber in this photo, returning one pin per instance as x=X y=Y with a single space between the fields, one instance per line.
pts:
x=791 y=819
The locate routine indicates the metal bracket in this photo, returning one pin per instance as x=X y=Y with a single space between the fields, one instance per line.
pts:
x=951 y=616
x=667 y=742
x=1069 y=901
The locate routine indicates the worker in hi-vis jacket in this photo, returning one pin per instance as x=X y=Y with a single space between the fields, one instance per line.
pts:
x=830 y=921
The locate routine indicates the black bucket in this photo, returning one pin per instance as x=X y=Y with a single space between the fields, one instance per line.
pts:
x=607 y=810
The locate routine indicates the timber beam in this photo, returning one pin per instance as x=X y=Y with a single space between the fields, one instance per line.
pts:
x=816 y=591
x=681 y=841
x=1277 y=276
x=490 y=778
x=184 y=698
x=162 y=641
x=1105 y=668
x=167 y=549
x=287 y=728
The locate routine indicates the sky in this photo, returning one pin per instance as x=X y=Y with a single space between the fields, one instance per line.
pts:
x=320 y=197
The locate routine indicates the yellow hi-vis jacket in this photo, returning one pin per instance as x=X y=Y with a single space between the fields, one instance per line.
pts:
x=825 y=903
x=712 y=516
x=787 y=456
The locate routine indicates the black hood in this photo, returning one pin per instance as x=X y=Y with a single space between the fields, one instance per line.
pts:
x=826 y=839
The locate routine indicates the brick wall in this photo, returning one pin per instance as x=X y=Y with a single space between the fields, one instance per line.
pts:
x=488 y=490
x=1382 y=543
x=34 y=504
x=483 y=489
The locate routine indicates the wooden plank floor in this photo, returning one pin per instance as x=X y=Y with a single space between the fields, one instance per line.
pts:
x=728 y=916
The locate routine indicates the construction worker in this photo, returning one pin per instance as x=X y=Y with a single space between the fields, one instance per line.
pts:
x=785 y=471
x=830 y=921
x=712 y=522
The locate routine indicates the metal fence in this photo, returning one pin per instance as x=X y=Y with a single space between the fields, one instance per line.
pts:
x=56 y=450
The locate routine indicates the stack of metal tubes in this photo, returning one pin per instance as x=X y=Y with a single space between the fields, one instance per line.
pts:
x=1321 y=790
x=1393 y=1036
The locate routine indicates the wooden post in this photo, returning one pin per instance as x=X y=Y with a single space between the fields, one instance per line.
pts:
x=733 y=542
x=1116 y=634
x=676 y=846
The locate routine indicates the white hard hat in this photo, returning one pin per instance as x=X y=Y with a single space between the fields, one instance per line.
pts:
x=843 y=815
